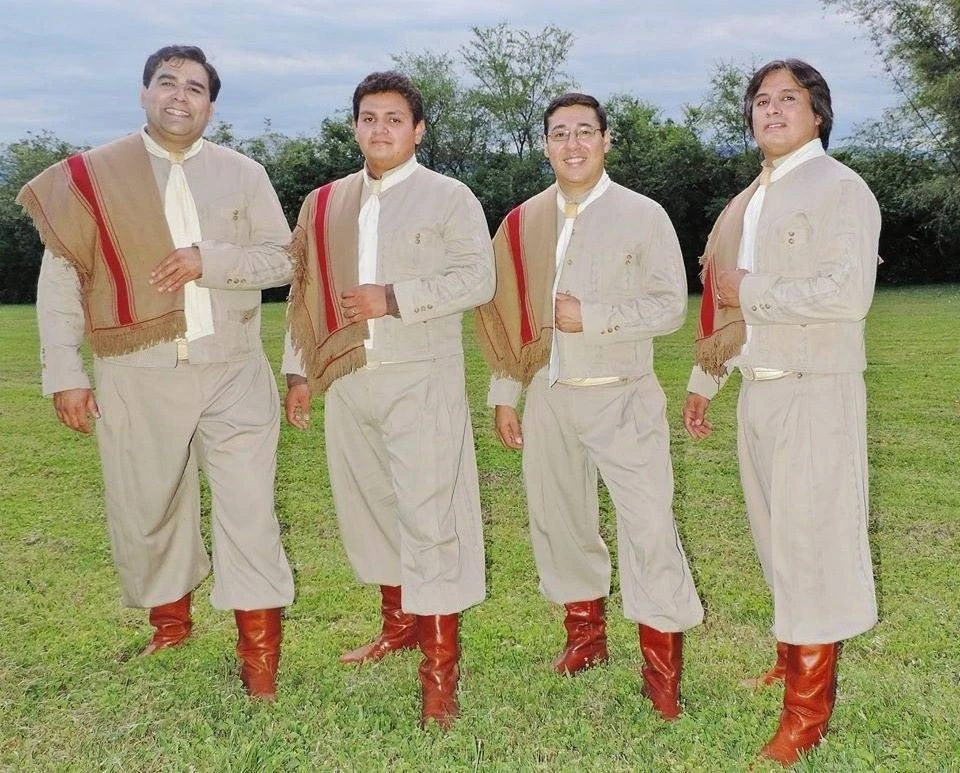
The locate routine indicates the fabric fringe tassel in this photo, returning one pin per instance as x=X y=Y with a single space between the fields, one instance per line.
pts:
x=27 y=199
x=116 y=341
x=711 y=353
x=496 y=350
x=341 y=353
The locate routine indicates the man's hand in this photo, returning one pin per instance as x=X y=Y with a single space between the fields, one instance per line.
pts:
x=74 y=407
x=695 y=416
x=728 y=287
x=297 y=402
x=364 y=302
x=507 y=423
x=178 y=268
x=567 y=312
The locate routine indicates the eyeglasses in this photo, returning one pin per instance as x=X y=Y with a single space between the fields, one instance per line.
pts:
x=581 y=133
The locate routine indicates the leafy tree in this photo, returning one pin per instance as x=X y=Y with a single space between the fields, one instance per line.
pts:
x=457 y=127
x=501 y=181
x=719 y=118
x=667 y=162
x=916 y=244
x=20 y=247
x=919 y=44
x=517 y=74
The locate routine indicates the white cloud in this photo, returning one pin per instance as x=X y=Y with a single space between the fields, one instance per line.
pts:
x=77 y=64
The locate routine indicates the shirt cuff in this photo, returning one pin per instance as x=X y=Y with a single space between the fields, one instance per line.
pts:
x=292 y=361
x=706 y=384
x=504 y=391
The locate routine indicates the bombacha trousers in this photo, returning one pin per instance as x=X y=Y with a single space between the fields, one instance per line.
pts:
x=158 y=426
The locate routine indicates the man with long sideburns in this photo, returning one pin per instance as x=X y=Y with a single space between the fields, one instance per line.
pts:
x=589 y=273
x=388 y=258
x=156 y=246
x=789 y=271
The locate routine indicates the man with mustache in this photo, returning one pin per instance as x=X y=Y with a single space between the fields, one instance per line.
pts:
x=788 y=272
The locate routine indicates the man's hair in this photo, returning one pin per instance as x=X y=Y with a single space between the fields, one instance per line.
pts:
x=191 y=53
x=381 y=83
x=571 y=99
x=808 y=77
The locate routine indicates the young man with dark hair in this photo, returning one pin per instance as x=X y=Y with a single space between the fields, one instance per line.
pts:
x=157 y=246
x=588 y=274
x=788 y=272
x=388 y=259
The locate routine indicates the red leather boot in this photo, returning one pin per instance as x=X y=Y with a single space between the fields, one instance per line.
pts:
x=776 y=673
x=171 y=625
x=399 y=631
x=439 y=669
x=663 y=665
x=586 y=637
x=808 y=698
x=258 y=647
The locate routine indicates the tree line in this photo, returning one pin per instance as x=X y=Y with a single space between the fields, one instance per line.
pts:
x=489 y=135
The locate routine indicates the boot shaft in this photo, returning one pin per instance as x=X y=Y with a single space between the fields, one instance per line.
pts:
x=809 y=695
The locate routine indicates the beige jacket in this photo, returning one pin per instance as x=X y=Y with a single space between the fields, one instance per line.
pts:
x=814 y=272
x=244 y=236
x=624 y=264
x=434 y=247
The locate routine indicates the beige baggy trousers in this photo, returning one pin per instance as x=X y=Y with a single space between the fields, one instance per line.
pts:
x=619 y=429
x=802 y=447
x=404 y=476
x=157 y=426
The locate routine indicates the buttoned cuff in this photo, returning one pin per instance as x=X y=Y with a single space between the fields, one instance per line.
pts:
x=599 y=325
x=411 y=308
x=219 y=267
x=756 y=301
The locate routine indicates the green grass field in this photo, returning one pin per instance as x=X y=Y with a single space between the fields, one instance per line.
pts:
x=72 y=698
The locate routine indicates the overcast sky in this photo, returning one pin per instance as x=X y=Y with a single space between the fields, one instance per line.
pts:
x=74 y=67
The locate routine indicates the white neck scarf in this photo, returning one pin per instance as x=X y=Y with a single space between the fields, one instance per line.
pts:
x=369 y=224
x=570 y=211
x=184 y=223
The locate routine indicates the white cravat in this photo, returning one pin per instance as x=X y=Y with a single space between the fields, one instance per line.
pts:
x=369 y=224
x=570 y=211
x=184 y=223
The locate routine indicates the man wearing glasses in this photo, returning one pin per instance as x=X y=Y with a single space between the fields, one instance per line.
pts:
x=588 y=273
